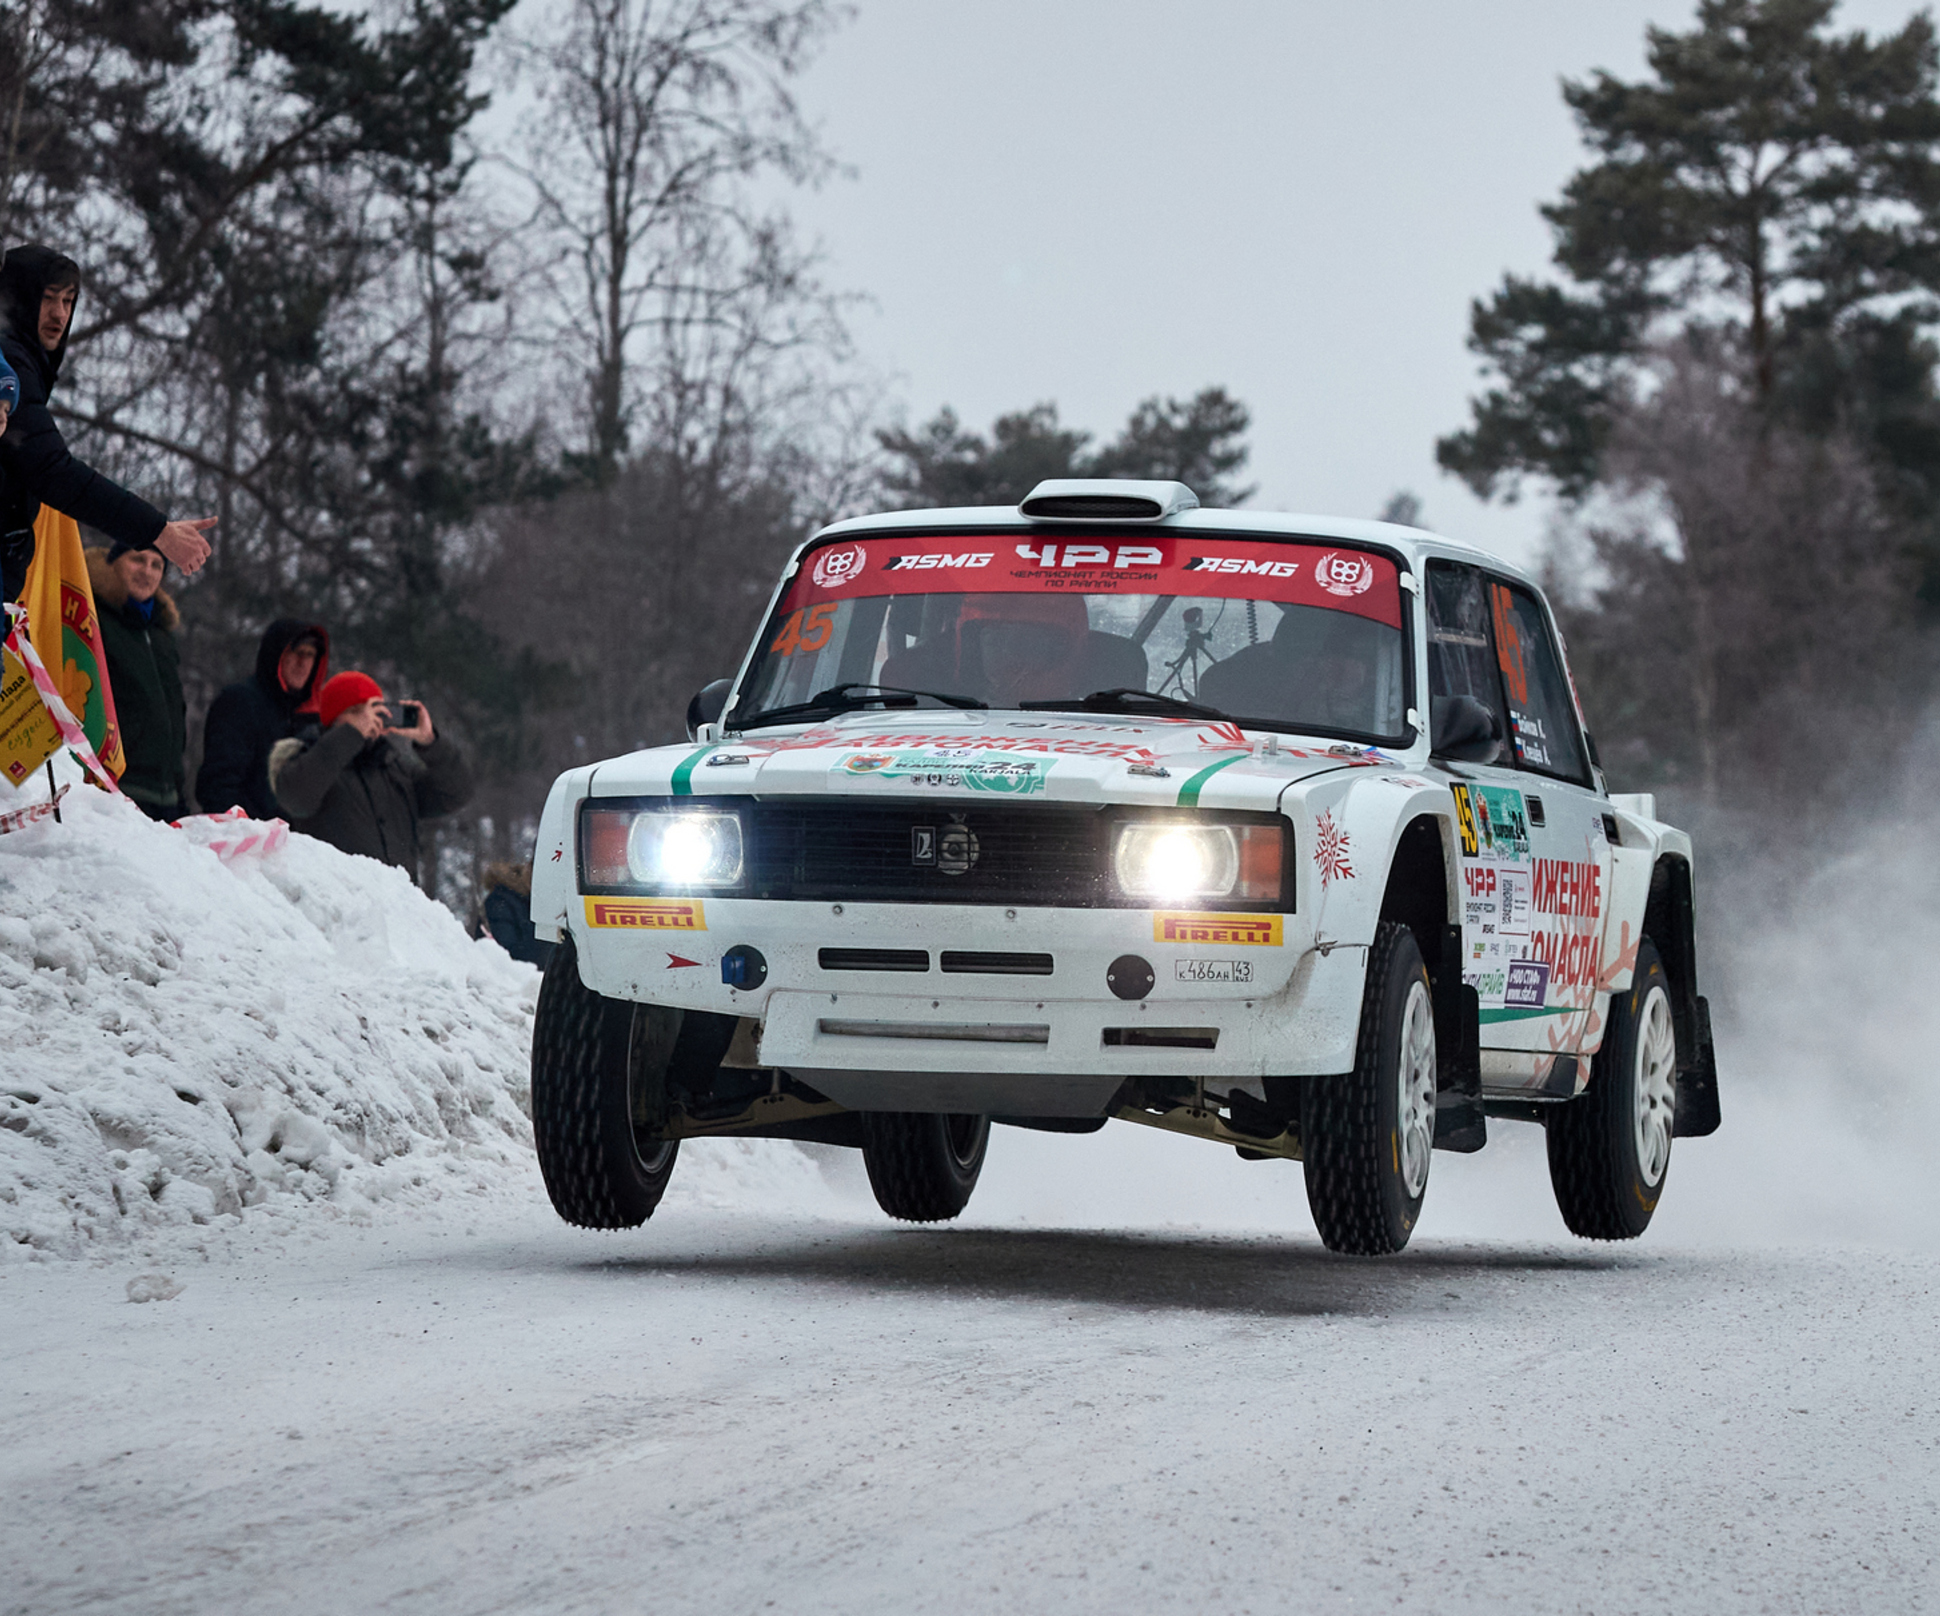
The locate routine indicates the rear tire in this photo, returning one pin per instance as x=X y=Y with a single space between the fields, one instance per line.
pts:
x=923 y=1165
x=1368 y=1137
x=1610 y=1147
x=599 y=1071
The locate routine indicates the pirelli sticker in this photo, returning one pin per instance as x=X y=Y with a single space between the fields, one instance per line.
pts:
x=1256 y=931
x=647 y=914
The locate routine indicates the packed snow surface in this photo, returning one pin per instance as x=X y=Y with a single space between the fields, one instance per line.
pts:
x=327 y=1348
x=188 y=1038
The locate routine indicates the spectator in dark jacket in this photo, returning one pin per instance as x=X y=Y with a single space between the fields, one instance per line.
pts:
x=363 y=785
x=145 y=673
x=38 y=288
x=247 y=719
x=506 y=914
x=9 y=397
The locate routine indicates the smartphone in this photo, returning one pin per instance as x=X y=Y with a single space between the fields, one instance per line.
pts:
x=405 y=714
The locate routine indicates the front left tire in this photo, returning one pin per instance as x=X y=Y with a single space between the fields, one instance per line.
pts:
x=599 y=1099
x=923 y=1165
x=1610 y=1147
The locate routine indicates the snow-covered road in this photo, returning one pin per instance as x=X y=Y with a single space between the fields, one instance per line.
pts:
x=811 y=1410
x=1128 y=1381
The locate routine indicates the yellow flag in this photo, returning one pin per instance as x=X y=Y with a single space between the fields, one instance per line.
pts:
x=62 y=624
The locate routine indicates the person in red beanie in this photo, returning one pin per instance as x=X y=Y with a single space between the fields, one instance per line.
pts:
x=364 y=784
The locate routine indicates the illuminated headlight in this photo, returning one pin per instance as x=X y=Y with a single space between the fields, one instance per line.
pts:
x=662 y=848
x=685 y=850
x=1175 y=863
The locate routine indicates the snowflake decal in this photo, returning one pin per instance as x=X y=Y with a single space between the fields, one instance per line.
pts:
x=1330 y=852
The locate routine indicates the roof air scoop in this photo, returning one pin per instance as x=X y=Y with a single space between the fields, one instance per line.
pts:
x=1101 y=499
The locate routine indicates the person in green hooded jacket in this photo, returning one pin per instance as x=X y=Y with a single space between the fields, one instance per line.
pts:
x=145 y=673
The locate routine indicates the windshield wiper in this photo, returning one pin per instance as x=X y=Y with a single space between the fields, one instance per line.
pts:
x=1124 y=699
x=847 y=697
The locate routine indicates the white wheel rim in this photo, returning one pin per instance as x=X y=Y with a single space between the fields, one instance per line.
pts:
x=1656 y=1086
x=1415 y=1108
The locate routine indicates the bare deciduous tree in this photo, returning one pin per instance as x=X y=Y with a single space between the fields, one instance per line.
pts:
x=657 y=116
x=1753 y=605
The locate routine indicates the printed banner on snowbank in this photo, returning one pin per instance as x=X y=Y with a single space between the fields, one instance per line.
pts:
x=28 y=736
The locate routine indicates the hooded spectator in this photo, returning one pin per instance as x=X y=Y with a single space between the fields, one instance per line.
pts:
x=364 y=784
x=506 y=914
x=38 y=289
x=145 y=673
x=248 y=718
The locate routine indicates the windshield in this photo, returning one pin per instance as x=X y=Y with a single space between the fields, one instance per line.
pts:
x=1286 y=635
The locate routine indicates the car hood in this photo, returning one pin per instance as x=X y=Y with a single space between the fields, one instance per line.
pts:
x=969 y=755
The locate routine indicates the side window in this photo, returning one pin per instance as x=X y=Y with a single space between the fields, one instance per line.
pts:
x=1542 y=717
x=1461 y=659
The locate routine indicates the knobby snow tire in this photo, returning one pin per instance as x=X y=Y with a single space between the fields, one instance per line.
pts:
x=1351 y=1125
x=923 y=1165
x=582 y=1105
x=1595 y=1167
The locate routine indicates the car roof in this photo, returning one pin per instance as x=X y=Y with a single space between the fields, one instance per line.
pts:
x=1414 y=543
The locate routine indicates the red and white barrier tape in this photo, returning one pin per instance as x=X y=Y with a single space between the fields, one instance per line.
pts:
x=21 y=818
x=232 y=835
x=64 y=721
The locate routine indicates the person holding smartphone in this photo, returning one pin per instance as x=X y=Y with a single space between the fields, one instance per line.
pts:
x=375 y=772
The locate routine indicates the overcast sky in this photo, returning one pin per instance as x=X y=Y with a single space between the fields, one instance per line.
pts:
x=1091 y=201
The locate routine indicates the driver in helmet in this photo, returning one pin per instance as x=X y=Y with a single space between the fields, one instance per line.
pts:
x=1027 y=647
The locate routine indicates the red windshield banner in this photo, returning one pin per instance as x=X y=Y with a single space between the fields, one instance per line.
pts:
x=1304 y=574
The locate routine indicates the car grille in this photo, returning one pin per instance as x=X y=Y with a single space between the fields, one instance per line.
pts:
x=915 y=852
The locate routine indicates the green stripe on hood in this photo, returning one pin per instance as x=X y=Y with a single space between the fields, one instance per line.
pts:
x=1189 y=792
x=684 y=772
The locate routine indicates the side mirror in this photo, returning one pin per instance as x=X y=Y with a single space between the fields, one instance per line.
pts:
x=1464 y=730
x=706 y=706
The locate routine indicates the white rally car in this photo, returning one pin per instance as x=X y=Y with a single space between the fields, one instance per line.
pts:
x=1280 y=832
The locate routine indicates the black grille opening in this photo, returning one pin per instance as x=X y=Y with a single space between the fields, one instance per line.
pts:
x=1097 y=507
x=874 y=959
x=998 y=852
x=996 y=964
x=1161 y=1037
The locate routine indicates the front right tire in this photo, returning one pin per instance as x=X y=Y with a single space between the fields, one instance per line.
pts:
x=599 y=1070
x=1367 y=1138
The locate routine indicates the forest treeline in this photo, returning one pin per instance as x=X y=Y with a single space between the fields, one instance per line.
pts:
x=1729 y=379
x=487 y=340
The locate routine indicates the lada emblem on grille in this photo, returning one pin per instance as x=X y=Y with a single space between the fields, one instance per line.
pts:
x=956 y=848
x=922 y=845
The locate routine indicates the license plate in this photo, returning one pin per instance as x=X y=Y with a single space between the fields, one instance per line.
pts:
x=1205 y=970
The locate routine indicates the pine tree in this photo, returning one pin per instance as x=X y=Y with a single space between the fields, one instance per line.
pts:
x=1196 y=441
x=1771 y=177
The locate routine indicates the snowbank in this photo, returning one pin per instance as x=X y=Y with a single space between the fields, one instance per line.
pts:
x=183 y=1039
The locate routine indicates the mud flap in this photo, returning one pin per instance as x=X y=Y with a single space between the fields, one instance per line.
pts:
x=1697 y=1085
x=1459 y=1123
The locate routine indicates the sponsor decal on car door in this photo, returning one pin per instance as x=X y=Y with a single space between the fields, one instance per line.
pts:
x=1534 y=866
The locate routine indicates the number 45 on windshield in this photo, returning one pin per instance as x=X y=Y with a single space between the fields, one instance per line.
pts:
x=806 y=630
